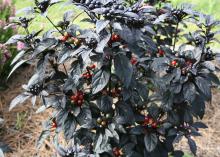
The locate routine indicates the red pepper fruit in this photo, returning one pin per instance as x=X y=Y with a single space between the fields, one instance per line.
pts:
x=133 y=60
x=115 y=38
x=174 y=63
x=161 y=53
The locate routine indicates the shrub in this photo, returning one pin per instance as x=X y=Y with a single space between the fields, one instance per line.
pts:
x=6 y=53
x=132 y=86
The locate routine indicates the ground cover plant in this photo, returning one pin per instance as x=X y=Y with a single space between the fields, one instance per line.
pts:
x=124 y=87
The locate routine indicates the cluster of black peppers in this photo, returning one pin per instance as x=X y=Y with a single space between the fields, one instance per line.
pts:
x=126 y=88
x=115 y=10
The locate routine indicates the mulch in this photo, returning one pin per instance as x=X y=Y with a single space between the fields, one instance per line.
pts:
x=23 y=126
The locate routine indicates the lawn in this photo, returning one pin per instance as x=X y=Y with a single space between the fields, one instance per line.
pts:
x=56 y=12
x=206 y=6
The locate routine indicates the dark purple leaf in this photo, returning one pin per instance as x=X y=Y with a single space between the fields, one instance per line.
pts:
x=204 y=86
x=192 y=146
x=18 y=100
x=43 y=136
x=69 y=127
x=150 y=141
x=123 y=69
x=100 y=80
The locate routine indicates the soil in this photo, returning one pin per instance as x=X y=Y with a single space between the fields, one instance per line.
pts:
x=23 y=126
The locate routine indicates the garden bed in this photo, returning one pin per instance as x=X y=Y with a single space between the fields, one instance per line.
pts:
x=23 y=126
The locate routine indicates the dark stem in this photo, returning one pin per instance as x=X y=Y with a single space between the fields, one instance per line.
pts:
x=87 y=12
x=65 y=69
x=54 y=25
x=110 y=69
x=88 y=70
x=77 y=16
x=175 y=37
x=27 y=31
x=110 y=66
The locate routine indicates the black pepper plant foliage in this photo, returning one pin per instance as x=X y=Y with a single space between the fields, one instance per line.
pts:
x=132 y=86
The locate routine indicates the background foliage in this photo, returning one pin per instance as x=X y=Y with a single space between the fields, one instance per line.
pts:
x=99 y=106
x=6 y=53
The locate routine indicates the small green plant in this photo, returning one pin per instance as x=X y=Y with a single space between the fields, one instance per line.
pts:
x=21 y=117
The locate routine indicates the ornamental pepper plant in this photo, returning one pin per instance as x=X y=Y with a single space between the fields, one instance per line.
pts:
x=131 y=86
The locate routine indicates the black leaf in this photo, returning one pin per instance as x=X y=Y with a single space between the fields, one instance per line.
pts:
x=160 y=64
x=100 y=25
x=204 y=86
x=138 y=130
x=43 y=136
x=142 y=90
x=125 y=113
x=100 y=80
x=69 y=127
x=199 y=125
x=189 y=91
x=123 y=69
x=150 y=141
x=105 y=103
x=85 y=117
x=15 y=39
x=130 y=35
x=192 y=146
x=178 y=153
x=44 y=45
x=68 y=15
x=198 y=106
x=17 y=65
x=18 y=100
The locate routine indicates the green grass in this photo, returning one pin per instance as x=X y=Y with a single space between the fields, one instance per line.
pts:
x=55 y=13
x=206 y=6
x=210 y=7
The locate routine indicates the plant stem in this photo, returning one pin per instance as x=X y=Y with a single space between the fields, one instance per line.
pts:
x=65 y=69
x=77 y=16
x=110 y=66
x=54 y=25
x=175 y=38
x=110 y=69
x=27 y=31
